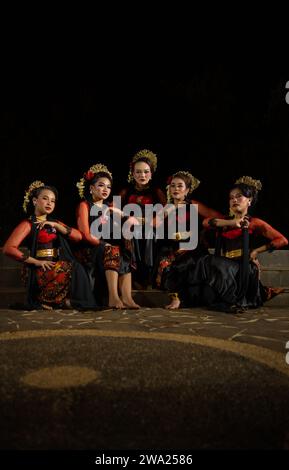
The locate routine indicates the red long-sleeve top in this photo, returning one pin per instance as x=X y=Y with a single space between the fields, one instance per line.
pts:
x=257 y=227
x=82 y=218
x=22 y=231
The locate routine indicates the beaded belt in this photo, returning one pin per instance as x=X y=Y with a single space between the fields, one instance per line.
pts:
x=49 y=252
x=234 y=253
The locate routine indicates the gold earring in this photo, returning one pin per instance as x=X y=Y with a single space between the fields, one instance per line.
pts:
x=231 y=213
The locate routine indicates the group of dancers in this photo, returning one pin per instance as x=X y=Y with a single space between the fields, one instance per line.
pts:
x=80 y=268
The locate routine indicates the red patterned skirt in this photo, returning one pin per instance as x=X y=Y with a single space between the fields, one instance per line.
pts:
x=164 y=263
x=111 y=258
x=54 y=284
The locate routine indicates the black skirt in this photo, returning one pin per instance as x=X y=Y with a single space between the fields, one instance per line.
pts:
x=218 y=283
x=178 y=277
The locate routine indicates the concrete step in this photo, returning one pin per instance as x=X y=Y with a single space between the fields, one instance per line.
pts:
x=11 y=295
x=276 y=258
x=277 y=276
x=10 y=276
x=151 y=299
x=156 y=298
x=10 y=262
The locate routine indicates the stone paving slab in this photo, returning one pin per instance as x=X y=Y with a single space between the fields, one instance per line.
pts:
x=265 y=327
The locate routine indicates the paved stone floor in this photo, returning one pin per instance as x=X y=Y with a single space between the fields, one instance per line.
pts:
x=153 y=378
x=266 y=327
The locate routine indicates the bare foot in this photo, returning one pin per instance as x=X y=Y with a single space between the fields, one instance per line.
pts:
x=116 y=303
x=67 y=303
x=46 y=307
x=175 y=303
x=130 y=303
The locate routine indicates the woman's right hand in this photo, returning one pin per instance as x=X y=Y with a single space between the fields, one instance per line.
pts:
x=245 y=222
x=45 y=265
x=132 y=220
x=242 y=222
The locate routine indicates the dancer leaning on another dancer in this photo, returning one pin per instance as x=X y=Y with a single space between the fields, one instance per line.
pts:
x=230 y=279
x=107 y=260
x=55 y=278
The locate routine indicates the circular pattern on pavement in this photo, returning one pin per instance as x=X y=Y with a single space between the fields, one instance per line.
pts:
x=60 y=377
x=158 y=392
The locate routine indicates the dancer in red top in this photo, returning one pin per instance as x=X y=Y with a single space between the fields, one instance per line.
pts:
x=107 y=260
x=230 y=279
x=55 y=279
x=173 y=263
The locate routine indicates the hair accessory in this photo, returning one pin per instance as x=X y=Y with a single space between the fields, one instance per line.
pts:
x=36 y=184
x=191 y=182
x=139 y=156
x=89 y=175
x=250 y=182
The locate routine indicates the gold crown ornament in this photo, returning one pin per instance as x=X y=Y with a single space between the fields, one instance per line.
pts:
x=139 y=156
x=36 y=184
x=250 y=182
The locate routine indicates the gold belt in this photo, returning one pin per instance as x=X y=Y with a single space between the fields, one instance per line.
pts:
x=234 y=253
x=49 y=252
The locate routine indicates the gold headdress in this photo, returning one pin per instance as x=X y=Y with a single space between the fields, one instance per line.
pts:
x=193 y=182
x=36 y=184
x=139 y=156
x=250 y=182
x=89 y=175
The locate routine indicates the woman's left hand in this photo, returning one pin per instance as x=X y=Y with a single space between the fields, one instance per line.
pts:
x=254 y=259
x=253 y=255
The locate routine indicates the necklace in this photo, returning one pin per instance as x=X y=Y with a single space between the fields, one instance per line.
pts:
x=41 y=218
x=98 y=203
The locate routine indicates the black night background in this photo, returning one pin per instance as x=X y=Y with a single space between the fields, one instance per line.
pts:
x=219 y=124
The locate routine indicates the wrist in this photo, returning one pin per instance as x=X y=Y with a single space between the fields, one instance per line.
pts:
x=24 y=258
x=213 y=222
x=270 y=247
x=67 y=230
x=254 y=253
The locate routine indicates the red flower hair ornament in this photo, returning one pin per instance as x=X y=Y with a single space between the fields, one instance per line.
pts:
x=89 y=175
